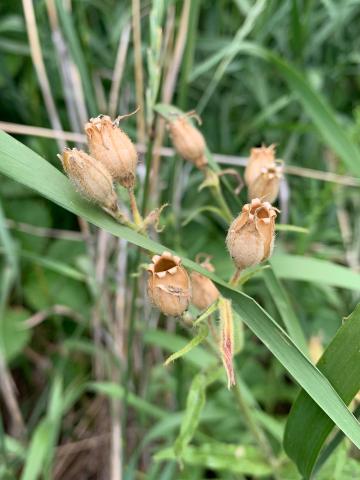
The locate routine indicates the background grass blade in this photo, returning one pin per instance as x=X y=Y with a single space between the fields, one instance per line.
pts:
x=282 y=302
x=314 y=104
x=28 y=168
x=308 y=427
x=294 y=267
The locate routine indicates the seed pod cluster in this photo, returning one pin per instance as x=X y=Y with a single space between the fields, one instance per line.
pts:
x=263 y=174
x=113 y=158
x=188 y=141
x=250 y=238
x=113 y=148
x=90 y=178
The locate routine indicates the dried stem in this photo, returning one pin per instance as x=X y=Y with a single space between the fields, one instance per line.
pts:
x=139 y=77
x=7 y=387
x=134 y=209
x=39 y=65
x=169 y=87
x=119 y=70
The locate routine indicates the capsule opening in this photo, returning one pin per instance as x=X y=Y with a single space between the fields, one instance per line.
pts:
x=164 y=264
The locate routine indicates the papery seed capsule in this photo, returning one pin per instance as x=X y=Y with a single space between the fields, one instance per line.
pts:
x=90 y=178
x=266 y=185
x=259 y=158
x=169 y=284
x=204 y=292
x=188 y=141
x=113 y=148
x=250 y=238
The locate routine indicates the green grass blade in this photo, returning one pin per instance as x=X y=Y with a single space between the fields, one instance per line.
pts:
x=194 y=405
x=294 y=267
x=116 y=391
x=314 y=104
x=38 y=450
x=194 y=342
x=20 y=163
x=283 y=304
x=307 y=426
x=52 y=265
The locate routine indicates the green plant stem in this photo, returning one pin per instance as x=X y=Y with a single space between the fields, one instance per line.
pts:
x=218 y=196
x=256 y=431
x=122 y=218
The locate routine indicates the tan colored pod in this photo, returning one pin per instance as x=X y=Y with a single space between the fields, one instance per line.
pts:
x=169 y=284
x=90 y=177
x=188 y=141
x=316 y=348
x=204 y=292
x=250 y=238
x=113 y=148
x=262 y=157
x=266 y=186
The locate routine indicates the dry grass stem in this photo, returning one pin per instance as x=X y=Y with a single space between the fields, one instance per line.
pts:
x=119 y=70
x=139 y=76
x=39 y=65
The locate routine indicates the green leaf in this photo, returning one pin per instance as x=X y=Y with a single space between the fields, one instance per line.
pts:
x=20 y=163
x=38 y=450
x=293 y=267
x=170 y=342
x=114 y=390
x=194 y=404
x=307 y=426
x=239 y=459
x=283 y=304
x=14 y=337
x=194 y=342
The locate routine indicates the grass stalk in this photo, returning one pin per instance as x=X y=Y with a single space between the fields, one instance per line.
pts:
x=139 y=76
x=38 y=62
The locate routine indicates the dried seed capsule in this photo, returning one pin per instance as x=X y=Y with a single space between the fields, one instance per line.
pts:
x=259 y=158
x=250 y=238
x=113 y=148
x=169 y=284
x=188 y=141
x=204 y=292
x=266 y=185
x=90 y=178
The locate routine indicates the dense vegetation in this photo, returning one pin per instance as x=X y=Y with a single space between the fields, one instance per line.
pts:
x=84 y=390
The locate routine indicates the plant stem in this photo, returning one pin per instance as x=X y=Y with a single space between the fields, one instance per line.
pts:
x=139 y=77
x=218 y=196
x=147 y=177
x=134 y=209
x=122 y=218
x=235 y=278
